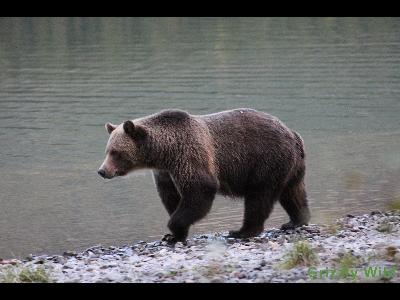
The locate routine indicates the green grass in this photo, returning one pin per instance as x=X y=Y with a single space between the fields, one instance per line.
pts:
x=301 y=254
x=211 y=271
x=17 y=274
x=347 y=260
x=331 y=225
x=390 y=253
x=214 y=270
x=333 y=228
x=385 y=227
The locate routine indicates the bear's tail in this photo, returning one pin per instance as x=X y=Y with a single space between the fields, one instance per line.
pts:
x=299 y=144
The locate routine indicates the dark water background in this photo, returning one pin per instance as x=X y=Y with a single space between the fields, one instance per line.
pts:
x=336 y=81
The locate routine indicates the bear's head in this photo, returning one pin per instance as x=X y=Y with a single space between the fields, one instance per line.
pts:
x=123 y=153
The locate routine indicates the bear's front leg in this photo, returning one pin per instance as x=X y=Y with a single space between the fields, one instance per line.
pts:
x=167 y=190
x=197 y=198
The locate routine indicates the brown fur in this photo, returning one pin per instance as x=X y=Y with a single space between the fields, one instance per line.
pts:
x=237 y=153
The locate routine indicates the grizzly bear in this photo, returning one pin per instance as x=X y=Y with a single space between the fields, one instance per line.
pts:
x=237 y=153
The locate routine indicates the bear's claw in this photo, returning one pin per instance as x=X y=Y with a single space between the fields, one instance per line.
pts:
x=237 y=234
x=169 y=238
x=172 y=240
x=291 y=226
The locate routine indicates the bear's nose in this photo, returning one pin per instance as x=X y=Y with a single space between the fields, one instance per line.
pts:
x=102 y=173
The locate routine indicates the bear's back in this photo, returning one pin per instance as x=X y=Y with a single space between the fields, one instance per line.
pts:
x=248 y=142
x=246 y=124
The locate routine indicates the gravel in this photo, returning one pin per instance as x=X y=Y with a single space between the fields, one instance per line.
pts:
x=216 y=258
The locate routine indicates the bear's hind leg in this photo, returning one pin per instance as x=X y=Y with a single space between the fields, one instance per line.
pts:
x=167 y=190
x=294 y=201
x=257 y=209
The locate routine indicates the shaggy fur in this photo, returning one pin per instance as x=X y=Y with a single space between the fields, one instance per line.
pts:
x=238 y=153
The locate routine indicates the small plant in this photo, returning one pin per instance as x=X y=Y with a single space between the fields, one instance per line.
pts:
x=385 y=227
x=172 y=273
x=347 y=260
x=330 y=225
x=211 y=271
x=385 y=279
x=333 y=228
x=370 y=257
x=214 y=269
x=301 y=255
x=390 y=253
x=294 y=238
x=25 y=275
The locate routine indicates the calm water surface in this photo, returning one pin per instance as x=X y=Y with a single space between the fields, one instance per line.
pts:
x=336 y=81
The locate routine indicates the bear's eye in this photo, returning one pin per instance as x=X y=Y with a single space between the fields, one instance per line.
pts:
x=115 y=153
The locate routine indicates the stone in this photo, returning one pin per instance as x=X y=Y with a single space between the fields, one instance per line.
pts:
x=375 y=212
x=29 y=257
x=232 y=260
x=69 y=253
x=9 y=261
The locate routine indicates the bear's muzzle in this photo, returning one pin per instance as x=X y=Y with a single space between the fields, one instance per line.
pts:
x=102 y=173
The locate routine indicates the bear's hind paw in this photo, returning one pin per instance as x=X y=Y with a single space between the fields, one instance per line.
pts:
x=238 y=234
x=291 y=226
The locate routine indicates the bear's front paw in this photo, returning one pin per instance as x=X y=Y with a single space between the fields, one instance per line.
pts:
x=169 y=238
x=172 y=240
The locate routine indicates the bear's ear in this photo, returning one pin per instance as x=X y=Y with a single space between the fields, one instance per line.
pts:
x=135 y=132
x=110 y=127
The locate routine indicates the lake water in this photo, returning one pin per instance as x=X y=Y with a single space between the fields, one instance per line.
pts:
x=335 y=81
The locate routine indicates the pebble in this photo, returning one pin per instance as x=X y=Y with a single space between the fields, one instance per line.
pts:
x=216 y=258
x=69 y=253
x=9 y=261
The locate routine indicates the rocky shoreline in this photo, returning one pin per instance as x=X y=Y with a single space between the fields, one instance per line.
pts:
x=363 y=248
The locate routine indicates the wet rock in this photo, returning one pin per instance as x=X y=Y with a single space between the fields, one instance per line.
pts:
x=375 y=212
x=9 y=261
x=216 y=258
x=30 y=257
x=230 y=240
x=39 y=261
x=279 y=280
x=67 y=267
x=69 y=253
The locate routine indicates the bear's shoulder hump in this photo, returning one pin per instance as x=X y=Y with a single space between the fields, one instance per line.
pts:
x=175 y=114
